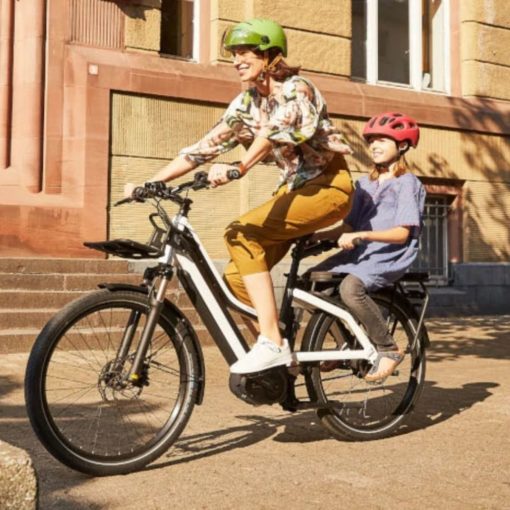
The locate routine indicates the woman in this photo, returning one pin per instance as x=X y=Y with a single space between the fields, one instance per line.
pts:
x=386 y=216
x=280 y=117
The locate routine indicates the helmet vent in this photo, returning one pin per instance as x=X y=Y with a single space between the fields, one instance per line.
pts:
x=393 y=125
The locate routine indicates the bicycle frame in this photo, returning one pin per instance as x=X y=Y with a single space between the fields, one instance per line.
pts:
x=213 y=299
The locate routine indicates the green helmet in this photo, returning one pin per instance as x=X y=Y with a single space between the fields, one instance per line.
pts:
x=262 y=34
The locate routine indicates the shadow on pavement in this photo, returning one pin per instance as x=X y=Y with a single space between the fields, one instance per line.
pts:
x=452 y=339
x=436 y=405
x=258 y=428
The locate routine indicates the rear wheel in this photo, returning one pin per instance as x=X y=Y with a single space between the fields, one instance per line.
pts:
x=353 y=408
x=80 y=403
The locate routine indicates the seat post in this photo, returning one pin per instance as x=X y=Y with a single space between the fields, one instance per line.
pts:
x=286 y=311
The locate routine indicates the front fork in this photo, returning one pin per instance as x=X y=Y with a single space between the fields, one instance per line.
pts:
x=156 y=303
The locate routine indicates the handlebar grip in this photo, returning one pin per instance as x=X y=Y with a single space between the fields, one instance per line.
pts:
x=139 y=194
x=154 y=187
x=327 y=244
x=200 y=177
x=233 y=174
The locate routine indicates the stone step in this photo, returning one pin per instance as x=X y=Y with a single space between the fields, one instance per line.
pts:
x=23 y=339
x=33 y=299
x=17 y=340
x=19 y=319
x=62 y=266
x=61 y=282
x=33 y=290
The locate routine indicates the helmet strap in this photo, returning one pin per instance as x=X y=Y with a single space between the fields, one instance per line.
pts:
x=271 y=67
x=403 y=150
x=263 y=77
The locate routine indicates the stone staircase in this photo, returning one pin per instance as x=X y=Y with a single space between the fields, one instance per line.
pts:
x=32 y=290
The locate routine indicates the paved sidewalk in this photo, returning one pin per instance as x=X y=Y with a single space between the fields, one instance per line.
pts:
x=454 y=452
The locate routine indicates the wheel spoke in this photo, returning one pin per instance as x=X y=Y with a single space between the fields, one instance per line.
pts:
x=368 y=410
x=91 y=406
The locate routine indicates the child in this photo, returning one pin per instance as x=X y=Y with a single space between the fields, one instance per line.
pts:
x=386 y=216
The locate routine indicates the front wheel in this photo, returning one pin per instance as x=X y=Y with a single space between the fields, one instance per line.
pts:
x=354 y=408
x=80 y=403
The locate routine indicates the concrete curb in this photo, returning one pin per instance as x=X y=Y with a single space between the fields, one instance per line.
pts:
x=18 y=480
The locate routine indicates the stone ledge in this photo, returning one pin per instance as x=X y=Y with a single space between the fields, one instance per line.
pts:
x=486 y=274
x=18 y=480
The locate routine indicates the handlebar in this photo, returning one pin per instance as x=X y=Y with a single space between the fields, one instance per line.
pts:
x=158 y=189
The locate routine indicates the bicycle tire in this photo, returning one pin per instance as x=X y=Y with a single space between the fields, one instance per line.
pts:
x=353 y=408
x=76 y=406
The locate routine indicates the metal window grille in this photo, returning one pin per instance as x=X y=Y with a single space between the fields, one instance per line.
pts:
x=433 y=254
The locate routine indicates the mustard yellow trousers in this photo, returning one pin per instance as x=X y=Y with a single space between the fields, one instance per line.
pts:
x=261 y=237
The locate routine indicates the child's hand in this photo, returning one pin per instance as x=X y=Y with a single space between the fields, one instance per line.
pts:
x=346 y=241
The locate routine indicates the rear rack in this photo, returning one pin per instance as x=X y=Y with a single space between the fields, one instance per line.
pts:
x=410 y=285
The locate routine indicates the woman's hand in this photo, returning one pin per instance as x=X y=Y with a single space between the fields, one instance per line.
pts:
x=218 y=174
x=128 y=189
x=346 y=241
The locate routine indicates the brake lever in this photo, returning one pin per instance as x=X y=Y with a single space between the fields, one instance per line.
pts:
x=123 y=201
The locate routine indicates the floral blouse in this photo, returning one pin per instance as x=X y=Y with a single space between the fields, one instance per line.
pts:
x=294 y=118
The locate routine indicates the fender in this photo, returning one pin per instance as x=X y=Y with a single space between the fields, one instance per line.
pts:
x=408 y=309
x=172 y=309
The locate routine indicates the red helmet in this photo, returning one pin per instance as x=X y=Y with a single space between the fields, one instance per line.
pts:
x=396 y=126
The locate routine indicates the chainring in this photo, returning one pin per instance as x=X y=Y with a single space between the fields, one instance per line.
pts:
x=263 y=388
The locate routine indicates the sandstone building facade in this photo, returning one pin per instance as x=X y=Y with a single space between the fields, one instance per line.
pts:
x=96 y=93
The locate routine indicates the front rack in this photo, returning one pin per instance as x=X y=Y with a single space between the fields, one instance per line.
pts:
x=126 y=248
x=129 y=249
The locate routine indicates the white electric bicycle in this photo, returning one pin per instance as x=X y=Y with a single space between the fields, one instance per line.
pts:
x=113 y=377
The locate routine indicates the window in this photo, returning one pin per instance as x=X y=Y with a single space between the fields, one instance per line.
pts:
x=179 y=28
x=433 y=254
x=402 y=42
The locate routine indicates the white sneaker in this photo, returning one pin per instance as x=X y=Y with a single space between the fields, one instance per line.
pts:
x=264 y=354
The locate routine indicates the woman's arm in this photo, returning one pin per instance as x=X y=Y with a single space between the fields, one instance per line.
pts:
x=177 y=167
x=257 y=151
x=395 y=235
x=220 y=139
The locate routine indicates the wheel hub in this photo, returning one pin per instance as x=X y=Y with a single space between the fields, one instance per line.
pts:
x=113 y=383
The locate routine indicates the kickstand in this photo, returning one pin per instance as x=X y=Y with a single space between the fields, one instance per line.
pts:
x=290 y=403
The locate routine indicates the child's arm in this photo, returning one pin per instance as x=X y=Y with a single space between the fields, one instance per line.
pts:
x=396 y=235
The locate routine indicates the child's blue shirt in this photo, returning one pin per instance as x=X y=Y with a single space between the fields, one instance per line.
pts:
x=380 y=206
